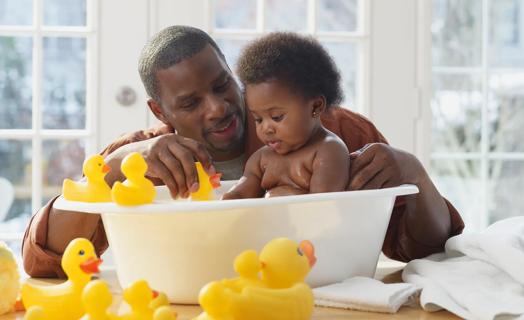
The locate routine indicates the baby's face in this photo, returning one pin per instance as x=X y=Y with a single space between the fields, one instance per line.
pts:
x=284 y=120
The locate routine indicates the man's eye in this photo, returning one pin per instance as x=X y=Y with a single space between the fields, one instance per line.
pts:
x=223 y=86
x=189 y=105
x=277 y=118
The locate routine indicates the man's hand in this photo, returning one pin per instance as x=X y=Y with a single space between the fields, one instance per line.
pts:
x=170 y=158
x=378 y=165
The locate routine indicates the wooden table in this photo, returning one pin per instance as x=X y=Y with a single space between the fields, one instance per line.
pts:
x=388 y=272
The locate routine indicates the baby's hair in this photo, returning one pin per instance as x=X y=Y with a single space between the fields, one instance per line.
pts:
x=297 y=61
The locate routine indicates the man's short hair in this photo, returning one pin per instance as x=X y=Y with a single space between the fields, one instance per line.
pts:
x=299 y=62
x=167 y=48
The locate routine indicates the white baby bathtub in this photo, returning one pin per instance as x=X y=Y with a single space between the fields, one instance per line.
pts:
x=179 y=246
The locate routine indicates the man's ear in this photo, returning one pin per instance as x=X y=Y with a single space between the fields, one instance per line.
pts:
x=318 y=105
x=157 y=110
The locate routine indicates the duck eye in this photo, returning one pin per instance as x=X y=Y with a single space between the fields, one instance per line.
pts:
x=300 y=252
x=99 y=164
x=81 y=252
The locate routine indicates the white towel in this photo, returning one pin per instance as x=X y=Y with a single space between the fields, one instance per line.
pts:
x=366 y=294
x=479 y=276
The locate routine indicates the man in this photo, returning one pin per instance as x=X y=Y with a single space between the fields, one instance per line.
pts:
x=193 y=93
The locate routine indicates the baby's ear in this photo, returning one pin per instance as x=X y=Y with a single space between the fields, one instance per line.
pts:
x=318 y=106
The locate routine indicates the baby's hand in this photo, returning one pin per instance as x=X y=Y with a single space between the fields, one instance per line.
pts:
x=230 y=196
x=281 y=191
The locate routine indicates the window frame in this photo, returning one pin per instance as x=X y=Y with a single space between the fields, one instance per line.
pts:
x=360 y=37
x=485 y=155
x=37 y=135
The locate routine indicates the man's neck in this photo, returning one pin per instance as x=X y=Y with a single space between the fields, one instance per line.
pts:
x=228 y=155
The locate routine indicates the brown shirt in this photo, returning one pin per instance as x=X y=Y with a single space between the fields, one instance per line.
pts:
x=355 y=130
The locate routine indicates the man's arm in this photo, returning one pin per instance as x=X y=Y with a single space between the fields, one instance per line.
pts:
x=421 y=223
x=48 y=233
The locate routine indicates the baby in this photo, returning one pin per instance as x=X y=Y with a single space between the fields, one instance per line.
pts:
x=289 y=80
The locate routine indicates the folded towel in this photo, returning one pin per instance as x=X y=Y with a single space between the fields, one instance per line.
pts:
x=479 y=276
x=366 y=294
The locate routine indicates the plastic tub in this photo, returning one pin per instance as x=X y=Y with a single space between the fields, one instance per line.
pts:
x=179 y=246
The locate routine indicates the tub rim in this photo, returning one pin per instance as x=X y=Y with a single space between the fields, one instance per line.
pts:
x=184 y=206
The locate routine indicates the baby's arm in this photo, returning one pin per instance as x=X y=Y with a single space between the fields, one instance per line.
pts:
x=249 y=185
x=330 y=167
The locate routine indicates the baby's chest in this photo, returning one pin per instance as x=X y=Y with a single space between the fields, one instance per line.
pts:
x=286 y=171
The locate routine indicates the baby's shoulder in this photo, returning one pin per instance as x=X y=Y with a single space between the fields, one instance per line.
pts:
x=332 y=143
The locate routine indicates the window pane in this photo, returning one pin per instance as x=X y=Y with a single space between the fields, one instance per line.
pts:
x=61 y=159
x=457 y=32
x=460 y=182
x=15 y=82
x=64 y=83
x=505 y=182
x=337 y=15
x=231 y=49
x=65 y=12
x=456 y=107
x=506 y=113
x=506 y=33
x=345 y=56
x=15 y=173
x=287 y=15
x=235 y=14
x=16 y=12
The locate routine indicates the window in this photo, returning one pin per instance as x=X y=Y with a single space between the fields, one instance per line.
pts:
x=478 y=107
x=338 y=24
x=46 y=107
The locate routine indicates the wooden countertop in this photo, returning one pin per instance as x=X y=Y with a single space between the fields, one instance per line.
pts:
x=388 y=272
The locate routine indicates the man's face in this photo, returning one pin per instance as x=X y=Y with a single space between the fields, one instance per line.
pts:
x=201 y=100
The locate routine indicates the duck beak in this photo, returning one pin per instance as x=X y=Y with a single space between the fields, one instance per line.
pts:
x=309 y=250
x=155 y=293
x=215 y=180
x=91 y=265
x=106 y=168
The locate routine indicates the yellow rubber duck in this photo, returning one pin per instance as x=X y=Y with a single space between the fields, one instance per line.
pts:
x=95 y=188
x=160 y=300
x=164 y=313
x=284 y=264
x=137 y=189
x=35 y=313
x=139 y=297
x=9 y=279
x=96 y=299
x=63 y=301
x=247 y=265
x=206 y=184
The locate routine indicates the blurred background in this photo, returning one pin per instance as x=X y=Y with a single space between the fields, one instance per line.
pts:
x=443 y=79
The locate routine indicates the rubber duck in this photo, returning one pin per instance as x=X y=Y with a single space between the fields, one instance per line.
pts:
x=160 y=300
x=164 y=313
x=139 y=297
x=96 y=299
x=284 y=264
x=9 y=279
x=137 y=189
x=35 y=313
x=95 y=188
x=63 y=301
x=248 y=266
x=206 y=184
